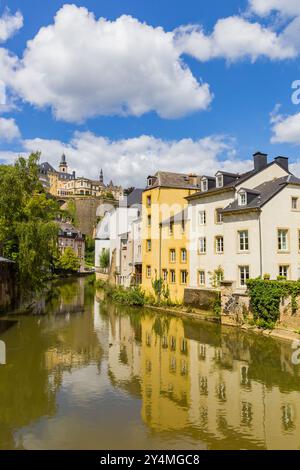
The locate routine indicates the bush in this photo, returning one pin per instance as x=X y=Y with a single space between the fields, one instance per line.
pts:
x=265 y=298
x=134 y=296
x=68 y=261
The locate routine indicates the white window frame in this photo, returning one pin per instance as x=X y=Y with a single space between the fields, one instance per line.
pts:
x=242 y=198
x=202 y=217
x=243 y=275
x=204 y=185
x=202 y=245
x=183 y=276
x=243 y=241
x=219 y=244
x=285 y=267
x=219 y=181
x=172 y=280
x=201 y=273
x=172 y=255
x=283 y=241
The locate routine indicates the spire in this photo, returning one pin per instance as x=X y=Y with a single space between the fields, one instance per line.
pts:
x=63 y=166
x=101 y=177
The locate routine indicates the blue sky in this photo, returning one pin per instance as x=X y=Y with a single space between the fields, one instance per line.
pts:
x=184 y=125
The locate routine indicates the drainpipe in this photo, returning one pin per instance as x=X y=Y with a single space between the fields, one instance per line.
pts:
x=160 y=245
x=260 y=246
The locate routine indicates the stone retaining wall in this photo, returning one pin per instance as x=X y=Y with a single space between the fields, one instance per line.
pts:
x=202 y=299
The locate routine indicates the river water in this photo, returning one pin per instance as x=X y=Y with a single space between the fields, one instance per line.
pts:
x=90 y=375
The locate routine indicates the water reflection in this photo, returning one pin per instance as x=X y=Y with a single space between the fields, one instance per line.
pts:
x=87 y=374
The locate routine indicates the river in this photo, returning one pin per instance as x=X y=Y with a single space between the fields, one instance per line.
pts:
x=87 y=374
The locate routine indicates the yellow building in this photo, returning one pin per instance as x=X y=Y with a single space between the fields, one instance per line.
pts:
x=164 y=229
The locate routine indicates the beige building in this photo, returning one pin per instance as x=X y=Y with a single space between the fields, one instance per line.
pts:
x=69 y=236
x=62 y=183
x=245 y=226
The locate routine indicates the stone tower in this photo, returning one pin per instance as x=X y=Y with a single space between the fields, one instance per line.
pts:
x=101 y=178
x=63 y=166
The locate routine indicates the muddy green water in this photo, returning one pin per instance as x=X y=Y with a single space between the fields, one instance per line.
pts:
x=90 y=375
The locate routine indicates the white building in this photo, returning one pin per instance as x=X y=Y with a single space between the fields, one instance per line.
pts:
x=115 y=233
x=246 y=225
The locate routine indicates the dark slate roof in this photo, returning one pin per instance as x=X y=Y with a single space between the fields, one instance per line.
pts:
x=263 y=193
x=173 y=180
x=45 y=166
x=177 y=218
x=68 y=230
x=135 y=197
x=239 y=180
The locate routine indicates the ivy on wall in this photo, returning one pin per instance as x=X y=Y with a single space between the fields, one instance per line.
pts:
x=265 y=297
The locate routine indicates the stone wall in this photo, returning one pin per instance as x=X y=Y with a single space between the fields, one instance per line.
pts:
x=8 y=285
x=200 y=298
x=235 y=308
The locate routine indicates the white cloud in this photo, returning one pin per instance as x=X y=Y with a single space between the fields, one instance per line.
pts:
x=8 y=130
x=233 y=38
x=286 y=129
x=83 y=67
x=10 y=24
x=265 y=7
x=130 y=161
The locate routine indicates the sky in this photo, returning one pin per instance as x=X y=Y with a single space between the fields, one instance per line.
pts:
x=136 y=86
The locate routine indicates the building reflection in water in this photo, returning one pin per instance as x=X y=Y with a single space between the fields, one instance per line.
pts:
x=225 y=387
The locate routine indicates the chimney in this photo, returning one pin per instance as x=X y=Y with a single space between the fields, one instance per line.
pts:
x=73 y=175
x=260 y=160
x=283 y=162
x=193 y=179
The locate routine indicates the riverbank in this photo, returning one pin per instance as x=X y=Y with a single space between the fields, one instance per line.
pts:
x=140 y=300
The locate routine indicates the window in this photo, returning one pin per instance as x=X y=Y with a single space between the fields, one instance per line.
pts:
x=201 y=278
x=244 y=275
x=171 y=228
x=202 y=245
x=148 y=201
x=242 y=199
x=148 y=271
x=149 y=220
x=139 y=250
x=173 y=255
x=183 y=277
x=149 y=245
x=165 y=275
x=283 y=239
x=172 y=276
x=183 y=255
x=219 y=216
x=219 y=245
x=294 y=203
x=284 y=271
x=243 y=240
x=202 y=218
x=219 y=181
x=204 y=185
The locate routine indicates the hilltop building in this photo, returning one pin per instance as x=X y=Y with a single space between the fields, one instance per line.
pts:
x=62 y=183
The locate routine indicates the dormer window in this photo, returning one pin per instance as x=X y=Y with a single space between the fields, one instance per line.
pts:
x=219 y=181
x=151 y=181
x=242 y=199
x=204 y=185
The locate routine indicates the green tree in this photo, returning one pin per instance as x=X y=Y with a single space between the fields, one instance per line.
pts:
x=89 y=251
x=68 y=261
x=28 y=231
x=104 y=259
